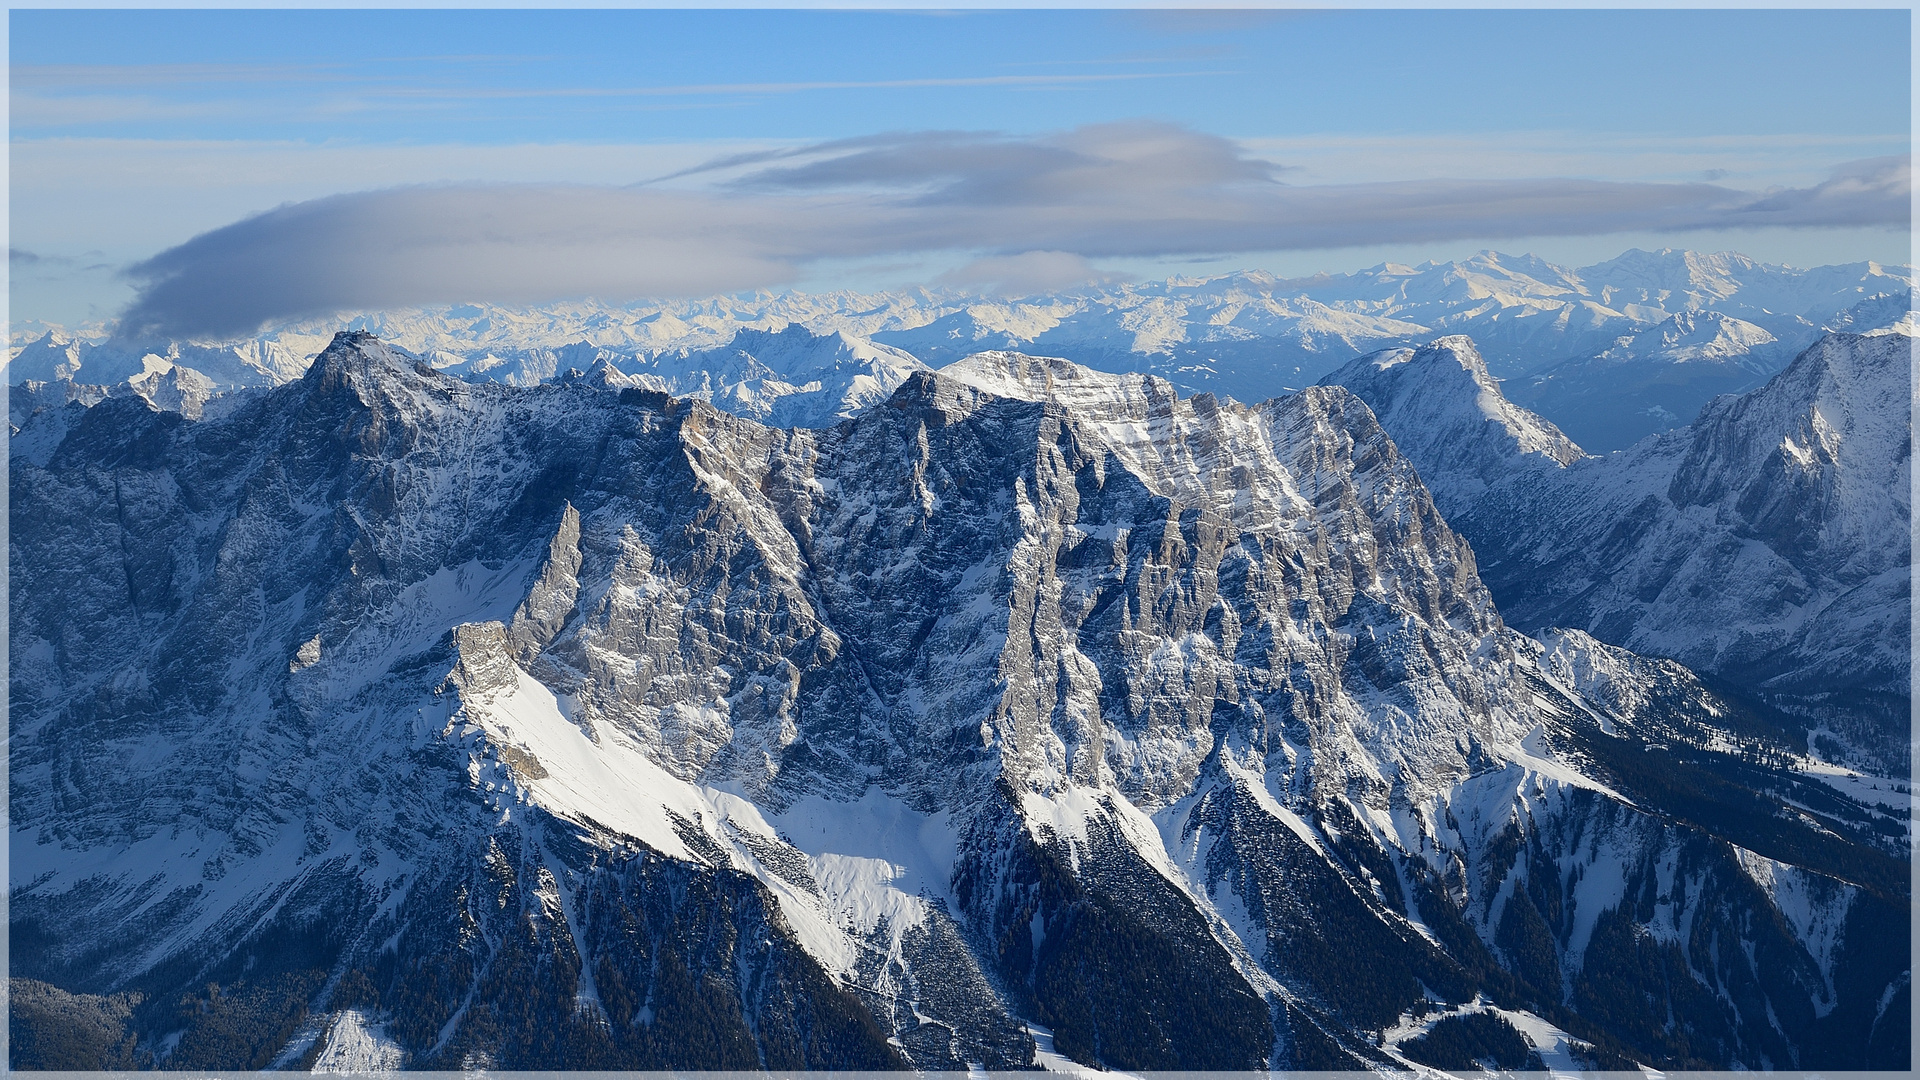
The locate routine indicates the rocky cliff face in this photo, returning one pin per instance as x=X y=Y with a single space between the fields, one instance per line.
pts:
x=393 y=719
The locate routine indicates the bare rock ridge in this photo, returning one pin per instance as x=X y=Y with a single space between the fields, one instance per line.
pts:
x=1034 y=705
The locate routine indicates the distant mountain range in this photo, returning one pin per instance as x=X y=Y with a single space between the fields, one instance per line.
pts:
x=1610 y=352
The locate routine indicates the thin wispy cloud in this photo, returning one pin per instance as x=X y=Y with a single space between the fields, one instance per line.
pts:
x=21 y=257
x=1041 y=205
x=161 y=77
x=46 y=111
x=1208 y=21
x=1182 y=56
x=90 y=76
x=30 y=111
x=67 y=95
x=32 y=264
x=317 y=99
x=757 y=88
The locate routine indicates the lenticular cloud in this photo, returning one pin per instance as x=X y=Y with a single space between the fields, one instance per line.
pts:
x=1104 y=191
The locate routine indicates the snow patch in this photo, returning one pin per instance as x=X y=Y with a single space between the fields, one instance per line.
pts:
x=1556 y=1047
x=608 y=785
x=357 y=1045
x=1051 y=1060
x=1814 y=905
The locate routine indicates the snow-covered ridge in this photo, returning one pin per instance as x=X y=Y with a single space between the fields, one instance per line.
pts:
x=1446 y=412
x=1051 y=378
x=1689 y=337
x=793 y=378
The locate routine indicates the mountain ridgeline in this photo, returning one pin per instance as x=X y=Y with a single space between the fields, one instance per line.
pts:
x=1028 y=716
x=1610 y=353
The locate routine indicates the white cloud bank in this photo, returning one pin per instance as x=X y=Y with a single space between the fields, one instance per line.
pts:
x=1035 y=209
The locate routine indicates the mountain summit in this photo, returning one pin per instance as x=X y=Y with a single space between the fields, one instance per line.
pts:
x=1447 y=413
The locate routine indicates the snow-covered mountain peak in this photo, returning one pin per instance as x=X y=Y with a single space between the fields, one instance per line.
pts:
x=1695 y=278
x=1907 y=326
x=1888 y=313
x=1050 y=378
x=1457 y=349
x=795 y=350
x=1690 y=336
x=1449 y=417
x=50 y=358
x=604 y=373
x=1489 y=275
x=1815 y=462
x=790 y=377
x=358 y=359
x=171 y=388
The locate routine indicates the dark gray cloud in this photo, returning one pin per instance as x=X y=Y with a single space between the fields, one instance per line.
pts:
x=1135 y=161
x=1105 y=191
x=1858 y=192
x=33 y=263
x=504 y=242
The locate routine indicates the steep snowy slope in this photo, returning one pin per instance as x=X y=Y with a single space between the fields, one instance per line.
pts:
x=463 y=724
x=1447 y=414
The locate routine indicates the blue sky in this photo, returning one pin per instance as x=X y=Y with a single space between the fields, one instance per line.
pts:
x=135 y=131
